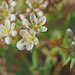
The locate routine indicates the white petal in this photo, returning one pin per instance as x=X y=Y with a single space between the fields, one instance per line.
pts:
x=43 y=29
x=37 y=9
x=42 y=20
x=29 y=46
x=13 y=4
x=43 y=6
x=8 y=40
x=33 y=18
x=2 y=27
x=36 y=41
x=5 y=6
x=26 y=23
x=1 y=32
x=41 y=1
x=7 y=34
x=13 y=17
x=14 y=33
x=24 y=33
x=13 y=26
x=30 y=5
x=20 y=45
x=7 y=23
x=32 y=32
x=11 y=10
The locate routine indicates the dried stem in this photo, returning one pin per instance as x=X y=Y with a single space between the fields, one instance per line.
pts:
x=53 y=44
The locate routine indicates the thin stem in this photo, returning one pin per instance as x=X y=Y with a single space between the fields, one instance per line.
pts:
x=54 y=44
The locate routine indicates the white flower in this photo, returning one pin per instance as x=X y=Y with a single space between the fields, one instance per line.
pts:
x=37 y=4
x=13 y=17
x=5 y=10
x=6 y=30
x=13 y=4
x=28 y=40
x=36 y=24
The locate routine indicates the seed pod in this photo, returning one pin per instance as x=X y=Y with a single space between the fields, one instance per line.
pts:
x=69 y=33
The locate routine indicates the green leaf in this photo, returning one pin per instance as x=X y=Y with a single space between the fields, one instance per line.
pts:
x=67 y=61
x=72 y=63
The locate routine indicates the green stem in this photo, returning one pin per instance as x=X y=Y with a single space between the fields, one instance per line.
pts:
x=35 y=61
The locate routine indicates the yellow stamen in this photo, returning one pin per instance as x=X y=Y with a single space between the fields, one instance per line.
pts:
x=36 y=26
x=4 y=13
x=6 y=30
x=30 y=38
x=35 y=5
x=26 y=34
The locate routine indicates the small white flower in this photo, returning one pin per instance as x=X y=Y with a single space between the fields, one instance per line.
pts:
x=28 y=40
x=13 y=4
x=37 y=4
x=36 y=24
x=13 y=17
x=5 y=10
x=6 y=30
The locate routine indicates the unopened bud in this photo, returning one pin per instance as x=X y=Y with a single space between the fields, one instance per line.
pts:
x=21 y=16
x=72 y=45
x=40 y=13
x=69 y=33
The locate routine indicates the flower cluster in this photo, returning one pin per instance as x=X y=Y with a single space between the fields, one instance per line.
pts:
x=30 y=29
x=29 y=34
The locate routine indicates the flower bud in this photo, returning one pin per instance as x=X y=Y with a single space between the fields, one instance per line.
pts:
x=69 y=33
x=13 y=17
x=13 y=4
x=8 y=40
x=40 y=13
x=72 y=45
x=21 y=16
x=14 y=33
x=28 y=10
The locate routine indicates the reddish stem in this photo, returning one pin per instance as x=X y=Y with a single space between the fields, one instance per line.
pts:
x=53 y=44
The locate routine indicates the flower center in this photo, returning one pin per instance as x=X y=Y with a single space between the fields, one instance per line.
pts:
x=36 y=26
x=30 y=38
x=35 y=5
x=4 y=13
x=6 y=30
